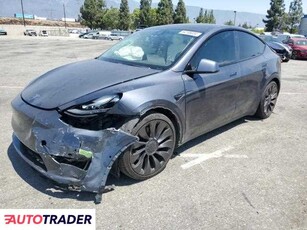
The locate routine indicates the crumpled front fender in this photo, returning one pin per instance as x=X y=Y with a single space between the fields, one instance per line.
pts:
x=72 y=156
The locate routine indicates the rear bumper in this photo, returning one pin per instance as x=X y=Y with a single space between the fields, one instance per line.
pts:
x=71 y=156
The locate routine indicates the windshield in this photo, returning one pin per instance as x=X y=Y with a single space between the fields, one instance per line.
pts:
x=154 y=48
x=301 y=42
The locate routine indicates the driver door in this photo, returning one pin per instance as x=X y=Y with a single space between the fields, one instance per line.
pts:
x=211 y=97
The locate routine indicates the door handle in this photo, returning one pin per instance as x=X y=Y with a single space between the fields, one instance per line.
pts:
x=233 y=74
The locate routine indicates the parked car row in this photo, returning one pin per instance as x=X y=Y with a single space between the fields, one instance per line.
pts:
x=31 y=32
x=287 y=45
x=107 y=35
x=283 y=50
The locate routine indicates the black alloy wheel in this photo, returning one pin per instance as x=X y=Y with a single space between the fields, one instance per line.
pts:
x=150 y=154
x=268 y=100
x=294 y=55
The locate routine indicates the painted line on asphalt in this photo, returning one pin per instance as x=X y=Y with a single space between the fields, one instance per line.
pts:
x=204 y=157
x=235 y=156
x=289 y=93
x=11 y=87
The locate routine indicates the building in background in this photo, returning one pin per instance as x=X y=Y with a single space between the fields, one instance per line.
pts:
x=68 y=19
x=27 y=16
x=303 y=26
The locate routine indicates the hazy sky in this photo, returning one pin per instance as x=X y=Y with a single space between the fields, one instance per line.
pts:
x=254 y=6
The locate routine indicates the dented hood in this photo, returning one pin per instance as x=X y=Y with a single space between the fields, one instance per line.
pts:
x=69 y=82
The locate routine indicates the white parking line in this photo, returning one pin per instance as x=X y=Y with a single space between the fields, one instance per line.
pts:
x=235 y=156
x=11 y=87
x=289 y=93
x=203 y=157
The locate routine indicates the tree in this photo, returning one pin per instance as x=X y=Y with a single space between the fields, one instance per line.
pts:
x=275 y=16
x=245 y=26
x=180 y=15
x=207 y=17
x=164 y=12
x=135 y=18
x=200 y=18
x=145 y=6
x=211 y=18
x=171 y=8
x=124 y=16
x=111 y=18
x=153 y=17
x=92 y=13
x=295 y=14
x=229 y=23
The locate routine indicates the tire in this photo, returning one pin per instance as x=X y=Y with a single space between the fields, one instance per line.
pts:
x=268 y=100
x=149 y=156
x=294 y=55
x=287 y=60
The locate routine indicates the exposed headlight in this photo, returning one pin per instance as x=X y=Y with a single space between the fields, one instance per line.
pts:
x=99 y=105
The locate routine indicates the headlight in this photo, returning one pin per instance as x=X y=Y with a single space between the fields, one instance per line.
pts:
x=99 y=105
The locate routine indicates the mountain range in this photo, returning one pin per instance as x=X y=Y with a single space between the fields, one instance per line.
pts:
x=53 y=9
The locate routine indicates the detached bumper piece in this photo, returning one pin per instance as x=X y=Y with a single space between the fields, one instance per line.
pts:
x=79 y=158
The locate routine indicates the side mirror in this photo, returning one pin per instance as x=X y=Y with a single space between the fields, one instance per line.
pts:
x=205 y=66
x=208 y=66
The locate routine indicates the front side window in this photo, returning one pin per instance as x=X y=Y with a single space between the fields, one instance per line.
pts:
x=249 y=45
x=151 y=47
x=219 y=48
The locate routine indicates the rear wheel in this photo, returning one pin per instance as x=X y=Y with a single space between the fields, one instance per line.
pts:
x=268 y=100
x=149 y=156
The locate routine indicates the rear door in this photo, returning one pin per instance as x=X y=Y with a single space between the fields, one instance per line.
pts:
x=253 y=69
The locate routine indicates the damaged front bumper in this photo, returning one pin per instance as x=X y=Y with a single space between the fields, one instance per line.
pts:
x=75 y=157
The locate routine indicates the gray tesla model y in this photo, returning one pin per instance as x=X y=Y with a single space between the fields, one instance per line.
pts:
x=132 y=106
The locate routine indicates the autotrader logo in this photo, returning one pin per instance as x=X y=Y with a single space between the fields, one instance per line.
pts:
x=47 y=219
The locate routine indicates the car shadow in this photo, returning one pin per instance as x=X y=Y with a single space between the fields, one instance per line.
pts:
x=210 y=135
x=50 y=188
x=41 y=183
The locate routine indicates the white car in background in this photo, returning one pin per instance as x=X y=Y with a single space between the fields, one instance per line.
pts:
x=43 y=33
x=90 y=35
x=102 y=34
x=115 y=37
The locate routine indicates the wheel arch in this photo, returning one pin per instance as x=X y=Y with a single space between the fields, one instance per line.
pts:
x=171 y=115
x=275 y=79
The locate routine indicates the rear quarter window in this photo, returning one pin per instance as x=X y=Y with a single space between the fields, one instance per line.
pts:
x=249 y=45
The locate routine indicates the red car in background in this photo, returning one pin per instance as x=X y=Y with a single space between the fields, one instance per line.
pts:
x=299 y=46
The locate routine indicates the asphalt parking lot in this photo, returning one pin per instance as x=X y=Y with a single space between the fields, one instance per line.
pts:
x=251 y=174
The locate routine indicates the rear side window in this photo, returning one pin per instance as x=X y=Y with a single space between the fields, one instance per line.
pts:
x=249 y=45
x=219 y=48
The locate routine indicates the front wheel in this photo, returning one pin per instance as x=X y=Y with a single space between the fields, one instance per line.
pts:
x=268 y=100
x=294 y=55
x=149 y=156
x=286 y=59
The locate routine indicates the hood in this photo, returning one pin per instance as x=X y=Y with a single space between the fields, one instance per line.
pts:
x=276 y=45
x=69 y=82
x=279 y=46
